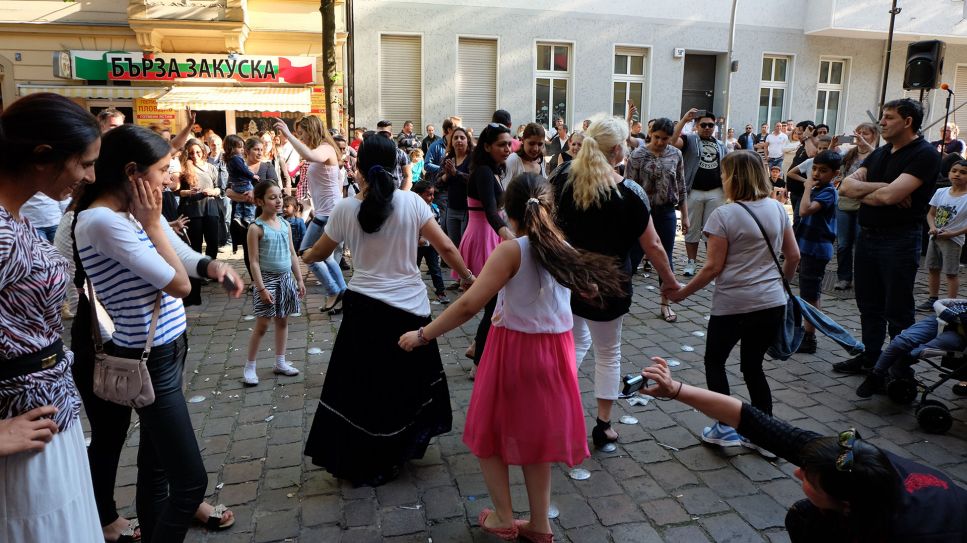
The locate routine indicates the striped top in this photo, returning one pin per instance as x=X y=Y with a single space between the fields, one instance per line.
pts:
x=127 y=273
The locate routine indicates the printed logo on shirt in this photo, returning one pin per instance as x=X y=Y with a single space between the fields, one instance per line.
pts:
x=945 y=214
x=709 y=157
x=919 y=481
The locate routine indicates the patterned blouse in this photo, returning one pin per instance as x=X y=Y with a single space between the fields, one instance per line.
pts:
x=33 y=282
x=663 y=178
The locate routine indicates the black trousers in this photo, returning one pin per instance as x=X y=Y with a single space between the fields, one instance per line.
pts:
x=756 y=330
x=483 y=329
x=202 y=229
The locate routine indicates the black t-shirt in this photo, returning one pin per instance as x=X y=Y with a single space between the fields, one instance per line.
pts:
x=611 y=229
x=456 y=186
x=953 y=146
x=708 y=176
x=917 y=158
x=797 y=187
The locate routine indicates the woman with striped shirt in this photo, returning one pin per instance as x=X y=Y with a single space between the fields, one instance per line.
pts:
x=128 y=252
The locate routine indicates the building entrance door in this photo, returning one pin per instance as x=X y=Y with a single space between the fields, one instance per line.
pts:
x=698 y=82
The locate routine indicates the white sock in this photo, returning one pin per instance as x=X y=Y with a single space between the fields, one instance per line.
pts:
x=280 y=360
x=249 y=368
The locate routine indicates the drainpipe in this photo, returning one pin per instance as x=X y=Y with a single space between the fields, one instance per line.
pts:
x=728 y=84
x=349 y=74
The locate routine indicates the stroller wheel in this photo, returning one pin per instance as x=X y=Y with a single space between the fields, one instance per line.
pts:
x=934 y=418
x=902 y=391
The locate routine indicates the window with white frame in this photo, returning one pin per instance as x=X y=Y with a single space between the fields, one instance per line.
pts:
x=629 y=80
x=830 y=92
x=773 y=86
x=552 y=83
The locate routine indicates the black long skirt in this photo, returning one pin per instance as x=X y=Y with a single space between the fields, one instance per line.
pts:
x=380 y=405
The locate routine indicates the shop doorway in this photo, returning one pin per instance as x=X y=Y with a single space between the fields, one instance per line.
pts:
x=214 y=120
x=698 y=82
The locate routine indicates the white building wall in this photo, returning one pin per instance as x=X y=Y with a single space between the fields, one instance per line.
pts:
x=595 y=28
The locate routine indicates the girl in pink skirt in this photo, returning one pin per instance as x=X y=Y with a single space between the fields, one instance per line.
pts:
x=526 y=408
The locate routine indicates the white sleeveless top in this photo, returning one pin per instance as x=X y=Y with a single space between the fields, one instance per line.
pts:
x=532 y=301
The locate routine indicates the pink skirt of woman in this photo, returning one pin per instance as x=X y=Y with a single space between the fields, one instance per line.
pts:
x=479 y=240
x=526 y=406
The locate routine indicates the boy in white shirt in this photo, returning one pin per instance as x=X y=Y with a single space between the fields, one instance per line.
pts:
x=947 y=220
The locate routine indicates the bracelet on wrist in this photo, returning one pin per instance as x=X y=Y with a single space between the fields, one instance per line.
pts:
x=419 y=336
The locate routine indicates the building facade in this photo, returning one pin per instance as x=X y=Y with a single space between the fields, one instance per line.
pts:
x=820 y=60
x=237 y=62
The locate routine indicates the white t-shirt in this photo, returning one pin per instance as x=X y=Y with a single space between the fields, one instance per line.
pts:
x=42 y=211
x=806 y=168
x=749 y=281
x=514 y=167
x=950 y=214
x=384 y=262
x=776 y=143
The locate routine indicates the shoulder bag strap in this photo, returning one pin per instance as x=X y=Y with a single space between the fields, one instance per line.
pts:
x=154 y=325
x=80 y=278
x=765 y=237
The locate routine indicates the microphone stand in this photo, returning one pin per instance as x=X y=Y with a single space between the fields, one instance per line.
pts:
x=943 y=131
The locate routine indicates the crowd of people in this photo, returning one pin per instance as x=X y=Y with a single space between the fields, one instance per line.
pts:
x=542 y=232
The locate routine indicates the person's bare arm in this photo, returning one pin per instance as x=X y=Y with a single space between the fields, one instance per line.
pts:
x=716 y=250
x=324 y=154
x=790 y=250
x=179 y=141
x=677 y=139
x=893 y=193
x=856 y=186
x=407 y=182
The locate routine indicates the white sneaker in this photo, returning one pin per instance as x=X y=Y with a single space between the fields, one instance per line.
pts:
x=285 y=369
x=689 y=270
x=249 y=377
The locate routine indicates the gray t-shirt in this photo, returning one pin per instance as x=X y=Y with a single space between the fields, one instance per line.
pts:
x=749 y=281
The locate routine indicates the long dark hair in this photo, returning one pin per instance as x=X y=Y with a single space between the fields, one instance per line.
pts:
x=120 y=147
x=480 y=156
x=451 y=153
x=870 y=487
x=531 y=130
x=44 y=119
x=376 y=162
x=529 y=200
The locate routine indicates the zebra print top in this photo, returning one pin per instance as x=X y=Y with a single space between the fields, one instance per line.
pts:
x=33 y=282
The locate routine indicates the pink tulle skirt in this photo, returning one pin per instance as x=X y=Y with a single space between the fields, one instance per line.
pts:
x=479 y=240
x=526 y=405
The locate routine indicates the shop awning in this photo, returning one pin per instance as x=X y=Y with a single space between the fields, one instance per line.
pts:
x=89 y=91
x=237 y=98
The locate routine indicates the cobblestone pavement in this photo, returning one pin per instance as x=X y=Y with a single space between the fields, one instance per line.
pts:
x=661 y=484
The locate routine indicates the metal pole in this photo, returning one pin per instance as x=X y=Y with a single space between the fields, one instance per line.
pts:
x=349 y=74
x=728 y=84
x=889 y=50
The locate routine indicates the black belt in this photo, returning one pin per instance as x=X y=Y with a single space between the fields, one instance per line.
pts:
x=43 y=359
x=318 y=221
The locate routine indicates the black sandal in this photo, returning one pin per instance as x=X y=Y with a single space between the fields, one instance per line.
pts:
x=599 y=435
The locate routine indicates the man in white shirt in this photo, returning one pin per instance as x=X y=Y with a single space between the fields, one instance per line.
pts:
x=44 y=214
x=775 y=142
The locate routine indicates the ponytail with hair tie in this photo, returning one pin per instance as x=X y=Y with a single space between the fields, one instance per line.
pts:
x=533 y=201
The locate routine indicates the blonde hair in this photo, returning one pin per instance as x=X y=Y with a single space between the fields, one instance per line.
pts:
x=591 y=174
x=314 y=134
x=744 y=177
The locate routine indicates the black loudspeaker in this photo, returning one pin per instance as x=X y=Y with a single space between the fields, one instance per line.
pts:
x=924 y=64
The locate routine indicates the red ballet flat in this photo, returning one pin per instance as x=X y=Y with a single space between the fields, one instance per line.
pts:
x=507 y=534
x=530 y=535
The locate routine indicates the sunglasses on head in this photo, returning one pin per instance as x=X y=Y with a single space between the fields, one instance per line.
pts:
x=847 y=439
x=707 y=125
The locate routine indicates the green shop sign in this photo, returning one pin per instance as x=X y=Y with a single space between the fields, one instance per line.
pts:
x=138 y=66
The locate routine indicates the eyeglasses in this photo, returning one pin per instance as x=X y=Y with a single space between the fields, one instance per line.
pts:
x=496 y=125
x=707 y=125
x=847 y=439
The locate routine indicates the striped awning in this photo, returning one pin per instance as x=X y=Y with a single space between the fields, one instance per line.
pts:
x=238 y=98
x=89 y=91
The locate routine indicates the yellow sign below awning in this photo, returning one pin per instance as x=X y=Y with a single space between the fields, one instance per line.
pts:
x=90 y=92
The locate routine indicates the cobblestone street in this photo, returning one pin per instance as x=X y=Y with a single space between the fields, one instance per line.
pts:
x=661 y=484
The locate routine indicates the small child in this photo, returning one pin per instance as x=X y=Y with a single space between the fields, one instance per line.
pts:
x=509 y=421
x=426 y=251
x=273 y=264
x=241 y=179
x=948 y=223
x=292 y=211
x=778 y=184
x=817 y=233
x=416 y=159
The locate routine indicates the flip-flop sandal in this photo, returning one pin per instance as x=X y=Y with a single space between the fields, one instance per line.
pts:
x=214 y=522
x=131 y=534
x=668 y=314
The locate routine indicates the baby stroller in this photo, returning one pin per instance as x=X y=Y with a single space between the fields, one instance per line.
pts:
x=933 y=415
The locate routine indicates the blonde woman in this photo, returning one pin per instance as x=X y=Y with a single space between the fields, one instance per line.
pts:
x=749 y=298
x=315 y=145
x=601 y=212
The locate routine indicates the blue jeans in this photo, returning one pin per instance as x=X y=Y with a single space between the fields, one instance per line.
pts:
x=903 y=350
x=432 y=258
x=885 y=269
x=48 y=232
x=666 y=223
x=171 y=477
x=830 y=328
x=327 y=271
x=847 y=228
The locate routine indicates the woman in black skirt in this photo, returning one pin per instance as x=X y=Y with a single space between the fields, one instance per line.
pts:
x=353 y=437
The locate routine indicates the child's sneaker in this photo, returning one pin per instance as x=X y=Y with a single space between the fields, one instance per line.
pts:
x=284 y=368
x=249 y=377
x=722 y=435
x=689 y=269
x=442 y=298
